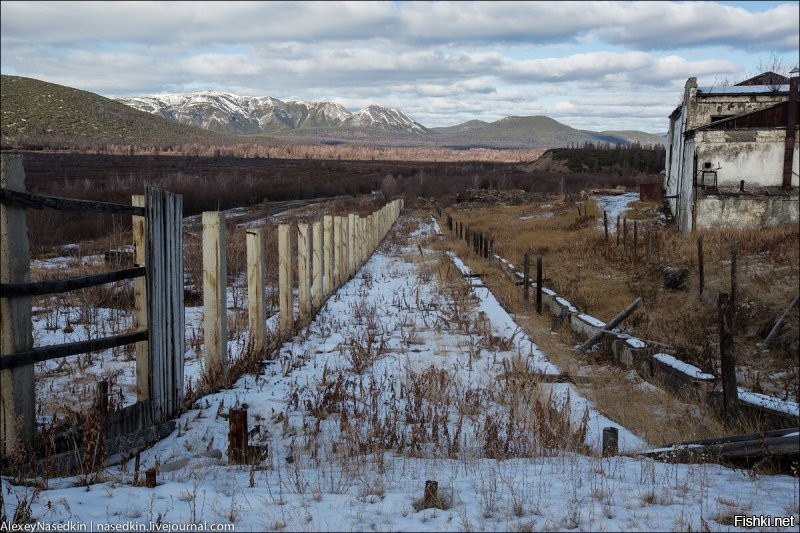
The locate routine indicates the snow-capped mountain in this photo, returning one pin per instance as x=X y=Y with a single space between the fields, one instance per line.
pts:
x=225 y=112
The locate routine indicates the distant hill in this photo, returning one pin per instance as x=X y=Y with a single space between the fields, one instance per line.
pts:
x=38 y=111
x=638 y=158
x=41 y=114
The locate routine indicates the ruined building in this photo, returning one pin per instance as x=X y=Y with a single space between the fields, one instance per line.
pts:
x=732 y=154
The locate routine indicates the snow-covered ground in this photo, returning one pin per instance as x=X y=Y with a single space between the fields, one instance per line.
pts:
x=403 y=378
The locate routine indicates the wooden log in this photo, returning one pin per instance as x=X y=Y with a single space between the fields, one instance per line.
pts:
x=101 y=397
x=140 y=321
x=256 y=300
x=539 y=284
x=633 y=306
x=777 y=326
x=58 y=286
x=303 y=272
x=215 y=308
x=610 y=441
x=526 y=276
x=285 y=278
x=237 y=436
x=327 y=254
x=17 y=400
x=316 y=264
x=730 y=393
x=700 y=264
x=22 y=200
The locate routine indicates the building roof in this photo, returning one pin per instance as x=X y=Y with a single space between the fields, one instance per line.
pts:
x=745 y=89
x=771 y=116
x=765 y=78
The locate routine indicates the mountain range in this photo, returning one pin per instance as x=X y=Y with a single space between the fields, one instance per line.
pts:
x=39 y=113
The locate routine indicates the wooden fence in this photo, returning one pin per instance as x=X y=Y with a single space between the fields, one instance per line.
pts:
x=159 y=313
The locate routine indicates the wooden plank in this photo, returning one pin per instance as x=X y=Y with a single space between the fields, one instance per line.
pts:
x=11 y=290
x=17 y=399
x=178 y=307
x=215 y=320
x=777 y=326
x=338 y=232
x=24 y=200
x=45 y=353
x=256 y=302
x=316 y=260
x=327 y=254
x=351 y=244
x=285 y=278
x=139 y=227
x=155 y=288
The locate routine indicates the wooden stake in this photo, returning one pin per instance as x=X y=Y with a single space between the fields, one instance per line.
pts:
x=610 y=441
x=605 y=224
x=256 y=302
x=237 y=436
x=215 y=319
x=617 y=230
x=625 y=235
x=635 y=239
x=285 y=278
x=526 y=275
x=431 y=497
x=539 y=284
x=732 y=314
x=700 y=272
x=730 y=394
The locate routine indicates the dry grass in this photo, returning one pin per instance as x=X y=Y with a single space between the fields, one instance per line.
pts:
x=601 y=279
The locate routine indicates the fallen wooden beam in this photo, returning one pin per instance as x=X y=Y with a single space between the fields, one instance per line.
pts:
x=777 y=325
x=611 y=325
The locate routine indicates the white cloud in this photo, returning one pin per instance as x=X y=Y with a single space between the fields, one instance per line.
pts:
x=441 y=62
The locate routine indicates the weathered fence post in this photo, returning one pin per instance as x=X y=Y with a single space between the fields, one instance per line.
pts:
x=316 y=264
x=256 y=303
x=625 y=235
x=649 y=242
x=617 y=230
x=605 y=224
x=633 y=306
x=139 y=229
x=303 y=272
x=730 y=394
x=431 y=496
x=539 y=284
x=285 y=278
x=700 y=263
x=635 y=239
x=526 y=275
x=237 y=435
x=215 y=320
x=337 y=253
x=610 y=441
x=16 y=335
x=732 y=314
x=327 y=254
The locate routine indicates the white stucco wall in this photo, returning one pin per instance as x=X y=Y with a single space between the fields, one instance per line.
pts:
x=744 y=212
x=755 y=156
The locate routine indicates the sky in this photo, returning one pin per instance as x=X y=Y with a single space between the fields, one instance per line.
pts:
x=590 y=65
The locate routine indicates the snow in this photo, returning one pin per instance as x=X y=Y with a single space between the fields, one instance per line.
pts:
x=769 y=402
x=316 y=478
x=592 y=321
x=636 y=343
x=614 y=206
x=686 y=368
